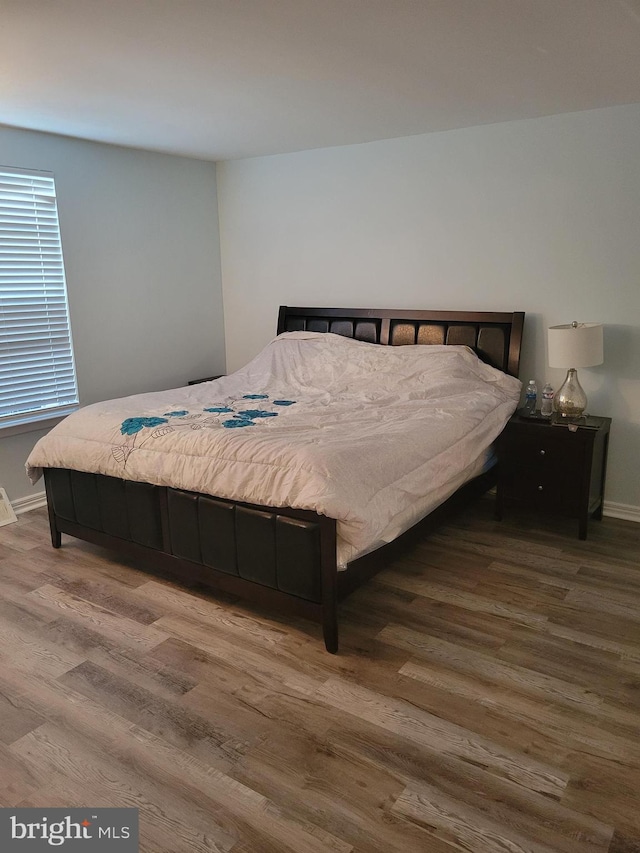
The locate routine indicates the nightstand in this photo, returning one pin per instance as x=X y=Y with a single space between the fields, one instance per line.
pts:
x=206 y=379
x=549 y=467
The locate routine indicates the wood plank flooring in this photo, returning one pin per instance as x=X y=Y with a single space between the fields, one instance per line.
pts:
x=486 y=698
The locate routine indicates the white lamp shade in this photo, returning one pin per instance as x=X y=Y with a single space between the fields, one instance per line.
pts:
x=576 y=346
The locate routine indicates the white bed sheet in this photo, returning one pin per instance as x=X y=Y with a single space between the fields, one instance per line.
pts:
x=373 y=436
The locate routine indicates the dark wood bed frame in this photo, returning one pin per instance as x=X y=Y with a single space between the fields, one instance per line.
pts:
x=283 y=558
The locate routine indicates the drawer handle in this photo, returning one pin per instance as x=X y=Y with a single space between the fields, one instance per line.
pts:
x=539 y=488
x=542 y=452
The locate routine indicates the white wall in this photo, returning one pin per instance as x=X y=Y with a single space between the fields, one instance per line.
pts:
x=140 y=241
x=540 y=215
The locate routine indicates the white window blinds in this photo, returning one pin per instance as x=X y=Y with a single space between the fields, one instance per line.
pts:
x=37 y=372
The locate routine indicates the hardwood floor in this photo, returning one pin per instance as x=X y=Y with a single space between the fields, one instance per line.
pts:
x=486 y=698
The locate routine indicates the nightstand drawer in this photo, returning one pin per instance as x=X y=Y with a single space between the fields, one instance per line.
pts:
x=542 y=488
x=546 y=451
x=543 y=468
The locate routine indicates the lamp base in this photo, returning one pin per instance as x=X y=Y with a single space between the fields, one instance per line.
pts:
x=570 y=401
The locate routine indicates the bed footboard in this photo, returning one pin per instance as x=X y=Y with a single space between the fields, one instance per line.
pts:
x=279 y=557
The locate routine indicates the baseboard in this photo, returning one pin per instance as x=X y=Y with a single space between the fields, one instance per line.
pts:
x=29 y=502
x=627 y=512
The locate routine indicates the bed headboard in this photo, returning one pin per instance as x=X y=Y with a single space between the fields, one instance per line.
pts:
x=495 y=336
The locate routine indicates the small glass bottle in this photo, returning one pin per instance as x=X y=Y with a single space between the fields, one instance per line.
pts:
x=546 y=408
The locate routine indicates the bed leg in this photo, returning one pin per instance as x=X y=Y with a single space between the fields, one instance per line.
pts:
x=56 y=536
x=330 y=629
x=329 y=573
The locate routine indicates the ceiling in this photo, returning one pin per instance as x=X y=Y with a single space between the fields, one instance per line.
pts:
x=223 y=79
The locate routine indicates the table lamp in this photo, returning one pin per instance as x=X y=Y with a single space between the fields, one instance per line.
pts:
x=572 y=346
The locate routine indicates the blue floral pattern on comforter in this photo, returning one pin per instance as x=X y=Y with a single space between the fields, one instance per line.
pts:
x=183 y=419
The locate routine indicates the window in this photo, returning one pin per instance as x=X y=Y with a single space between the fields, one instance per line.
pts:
x=37 y=372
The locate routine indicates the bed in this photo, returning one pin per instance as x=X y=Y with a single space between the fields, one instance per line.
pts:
x=251 y=505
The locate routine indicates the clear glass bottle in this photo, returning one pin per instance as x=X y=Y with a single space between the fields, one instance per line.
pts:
x=546 y=407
